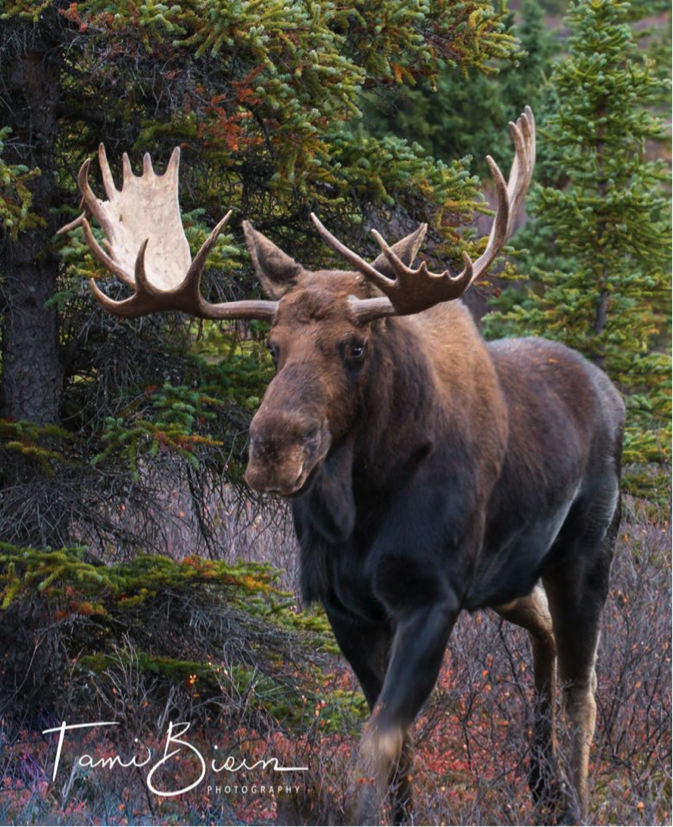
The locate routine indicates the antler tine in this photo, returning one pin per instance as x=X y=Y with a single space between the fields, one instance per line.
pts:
x=191 y=286
x=127 y=169
x=173 y=168
x=193 y=277
x=91 y=203
x=108 y=180
x=413 y=291
x=143 y=285
x=523 y=134
x=499 y=231
x=381 y=281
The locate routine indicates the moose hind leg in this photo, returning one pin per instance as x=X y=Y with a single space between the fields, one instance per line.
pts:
x=577 y=644
x=532 y=614
x=577 y=587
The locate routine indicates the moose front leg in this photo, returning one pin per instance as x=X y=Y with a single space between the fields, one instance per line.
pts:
x=421 y=636
x=366 y=646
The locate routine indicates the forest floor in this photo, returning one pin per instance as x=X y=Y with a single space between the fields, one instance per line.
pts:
x=471 y=739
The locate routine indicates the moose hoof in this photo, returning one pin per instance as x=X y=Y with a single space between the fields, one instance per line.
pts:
x=368 y=808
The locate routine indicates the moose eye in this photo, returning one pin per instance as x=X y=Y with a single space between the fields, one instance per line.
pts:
x=354 y=351
x=273 y=351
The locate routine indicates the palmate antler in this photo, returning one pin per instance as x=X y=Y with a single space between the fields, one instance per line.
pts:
x=413 y=291
x=146 y=245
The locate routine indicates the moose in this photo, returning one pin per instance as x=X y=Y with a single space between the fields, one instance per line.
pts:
x=429 y=472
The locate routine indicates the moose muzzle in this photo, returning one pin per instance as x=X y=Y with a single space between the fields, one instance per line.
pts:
x=284 y=450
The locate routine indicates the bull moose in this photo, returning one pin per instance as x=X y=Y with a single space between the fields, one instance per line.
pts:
x=429 y=471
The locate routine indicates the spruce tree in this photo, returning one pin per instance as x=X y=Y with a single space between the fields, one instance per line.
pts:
x=603 y=288
x=452 y=116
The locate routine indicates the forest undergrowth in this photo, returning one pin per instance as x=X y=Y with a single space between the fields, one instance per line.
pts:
x=257 y=679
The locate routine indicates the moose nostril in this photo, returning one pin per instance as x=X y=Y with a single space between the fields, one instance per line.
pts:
x=312 y=434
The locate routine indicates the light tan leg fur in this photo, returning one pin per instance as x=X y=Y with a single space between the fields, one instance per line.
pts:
x=532 y=613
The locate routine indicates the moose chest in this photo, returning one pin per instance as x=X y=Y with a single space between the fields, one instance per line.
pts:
x=338 y=569
x=352 y=584
x=393 y=551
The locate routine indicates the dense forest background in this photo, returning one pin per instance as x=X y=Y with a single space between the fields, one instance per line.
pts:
x=123 y=517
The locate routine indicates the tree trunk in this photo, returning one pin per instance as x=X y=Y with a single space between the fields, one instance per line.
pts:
x=32 y=380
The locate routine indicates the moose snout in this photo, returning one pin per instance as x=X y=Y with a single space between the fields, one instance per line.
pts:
x=283 y=453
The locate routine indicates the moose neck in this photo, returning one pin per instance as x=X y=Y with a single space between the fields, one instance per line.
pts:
x=432 y=386
x=399 y=415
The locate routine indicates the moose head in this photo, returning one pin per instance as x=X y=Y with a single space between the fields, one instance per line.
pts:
x=322 y=322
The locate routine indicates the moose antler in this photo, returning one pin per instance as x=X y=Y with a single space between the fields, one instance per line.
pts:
x=413 y=291
x=146 y=245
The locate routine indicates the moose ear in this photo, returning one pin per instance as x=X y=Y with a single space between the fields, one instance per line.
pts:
x=276 y=271
x=406 y=250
